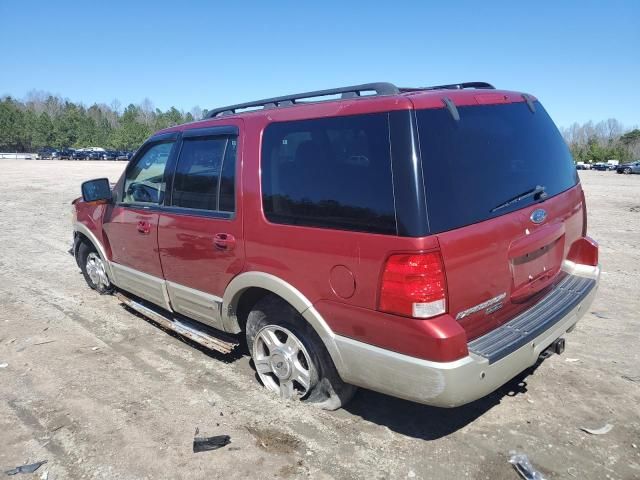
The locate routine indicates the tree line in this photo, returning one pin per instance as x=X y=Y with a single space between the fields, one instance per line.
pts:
x=44 y=120
x=598 y=142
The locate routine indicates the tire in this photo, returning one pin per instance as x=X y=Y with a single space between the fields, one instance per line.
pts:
x=627 y=171
x=290 y=358
x=93 y=269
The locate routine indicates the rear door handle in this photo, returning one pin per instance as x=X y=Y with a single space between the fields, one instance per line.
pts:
x=144 y=227
x=224 y=241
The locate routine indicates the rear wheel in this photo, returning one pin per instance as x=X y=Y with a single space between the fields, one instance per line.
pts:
x=290 y=359
x=93 y=268
x=283 y=363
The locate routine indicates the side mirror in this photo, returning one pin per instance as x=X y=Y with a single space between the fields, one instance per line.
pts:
x=98 y=189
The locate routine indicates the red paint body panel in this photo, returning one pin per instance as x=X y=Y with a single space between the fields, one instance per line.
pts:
x=129 y=246
x=463 y=98
x=480 y=266
x=584 y=252
x=304 y=256
x=189 y=253
x=441 y=338
x=189 y=256
x=481 y=261
x=90 y=215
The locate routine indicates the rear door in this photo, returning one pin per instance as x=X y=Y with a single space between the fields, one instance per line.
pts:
x=131 y=224
x=200 y=228
x=504 y=200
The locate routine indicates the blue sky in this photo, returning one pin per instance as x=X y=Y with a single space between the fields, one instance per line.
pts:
x=581 y=58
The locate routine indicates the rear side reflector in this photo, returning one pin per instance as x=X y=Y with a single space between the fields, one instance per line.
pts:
x=414 y=285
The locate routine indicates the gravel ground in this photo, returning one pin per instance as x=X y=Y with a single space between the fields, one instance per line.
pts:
x=101 y=393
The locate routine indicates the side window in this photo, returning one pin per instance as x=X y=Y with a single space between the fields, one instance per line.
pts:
x=330 y=173
x=144 y=182
x=205 y=174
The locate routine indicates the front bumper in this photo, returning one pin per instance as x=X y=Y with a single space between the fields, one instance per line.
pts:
x=450 y=384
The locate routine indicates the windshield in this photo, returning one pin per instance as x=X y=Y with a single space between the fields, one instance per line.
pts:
x=493 y=154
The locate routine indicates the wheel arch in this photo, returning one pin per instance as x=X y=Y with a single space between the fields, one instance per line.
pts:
x=248 y=288
x=85 y=235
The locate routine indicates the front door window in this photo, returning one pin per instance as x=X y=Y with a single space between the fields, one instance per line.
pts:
x=144 y=182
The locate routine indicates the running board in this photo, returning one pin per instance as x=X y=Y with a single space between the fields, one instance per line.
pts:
x=187 y=328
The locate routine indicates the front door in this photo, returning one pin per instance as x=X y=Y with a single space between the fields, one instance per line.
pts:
x=131 y=224
x=200 y=227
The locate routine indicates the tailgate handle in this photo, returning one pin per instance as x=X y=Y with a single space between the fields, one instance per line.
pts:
x=538 y=239
x=534 y=286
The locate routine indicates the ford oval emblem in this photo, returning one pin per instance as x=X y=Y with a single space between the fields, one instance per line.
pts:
x=539 y=215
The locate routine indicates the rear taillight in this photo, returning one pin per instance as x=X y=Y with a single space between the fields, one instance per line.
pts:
x=414 y=285
x=584 y=251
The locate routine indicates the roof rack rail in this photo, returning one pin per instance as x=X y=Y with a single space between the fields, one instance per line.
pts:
x=452 y=86
x=380 y=88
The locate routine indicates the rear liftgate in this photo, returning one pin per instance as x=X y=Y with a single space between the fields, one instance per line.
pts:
x=195 y=331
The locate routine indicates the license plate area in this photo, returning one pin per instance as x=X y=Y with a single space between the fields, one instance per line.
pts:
x=535 y=270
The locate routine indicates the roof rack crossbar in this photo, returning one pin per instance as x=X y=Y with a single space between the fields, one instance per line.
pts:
x=380 y=88
x=452 y=86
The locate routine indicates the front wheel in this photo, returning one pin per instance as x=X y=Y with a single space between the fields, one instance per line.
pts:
x=93 y=268
x=290 y=358
x=627 y=171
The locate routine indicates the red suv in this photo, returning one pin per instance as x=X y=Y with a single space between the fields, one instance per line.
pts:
x=428 y=243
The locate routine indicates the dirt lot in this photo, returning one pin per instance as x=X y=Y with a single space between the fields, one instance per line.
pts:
x=101 y=393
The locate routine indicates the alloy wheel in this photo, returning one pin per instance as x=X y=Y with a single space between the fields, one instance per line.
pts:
x=282 y=362
x=96 y=271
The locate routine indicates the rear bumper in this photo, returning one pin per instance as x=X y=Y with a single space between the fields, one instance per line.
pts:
x=450 y=384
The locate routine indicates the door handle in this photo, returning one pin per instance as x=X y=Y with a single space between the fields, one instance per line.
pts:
x=144 y=227
x=224 y=241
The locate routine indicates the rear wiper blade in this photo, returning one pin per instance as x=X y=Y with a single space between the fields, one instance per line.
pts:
x=538 y=193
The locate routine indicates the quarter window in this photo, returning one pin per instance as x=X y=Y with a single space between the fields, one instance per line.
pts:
x=228 y=177
x=329 y=173
x=205 y=174
x=145 y=182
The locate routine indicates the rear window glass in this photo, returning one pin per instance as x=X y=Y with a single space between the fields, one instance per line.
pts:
x=493 y=154
x=330 y=173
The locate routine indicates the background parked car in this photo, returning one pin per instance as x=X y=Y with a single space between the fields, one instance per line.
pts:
x=109 y=155
x=45 y=153
x=65 y=154
x=79 y=155
x=94 y=155
x=633 y=167
x=601 y=167
x=582 y=166
x=124 y=155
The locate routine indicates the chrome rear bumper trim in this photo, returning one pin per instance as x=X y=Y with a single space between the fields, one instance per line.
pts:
x=507 y=338
x=450 y=384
